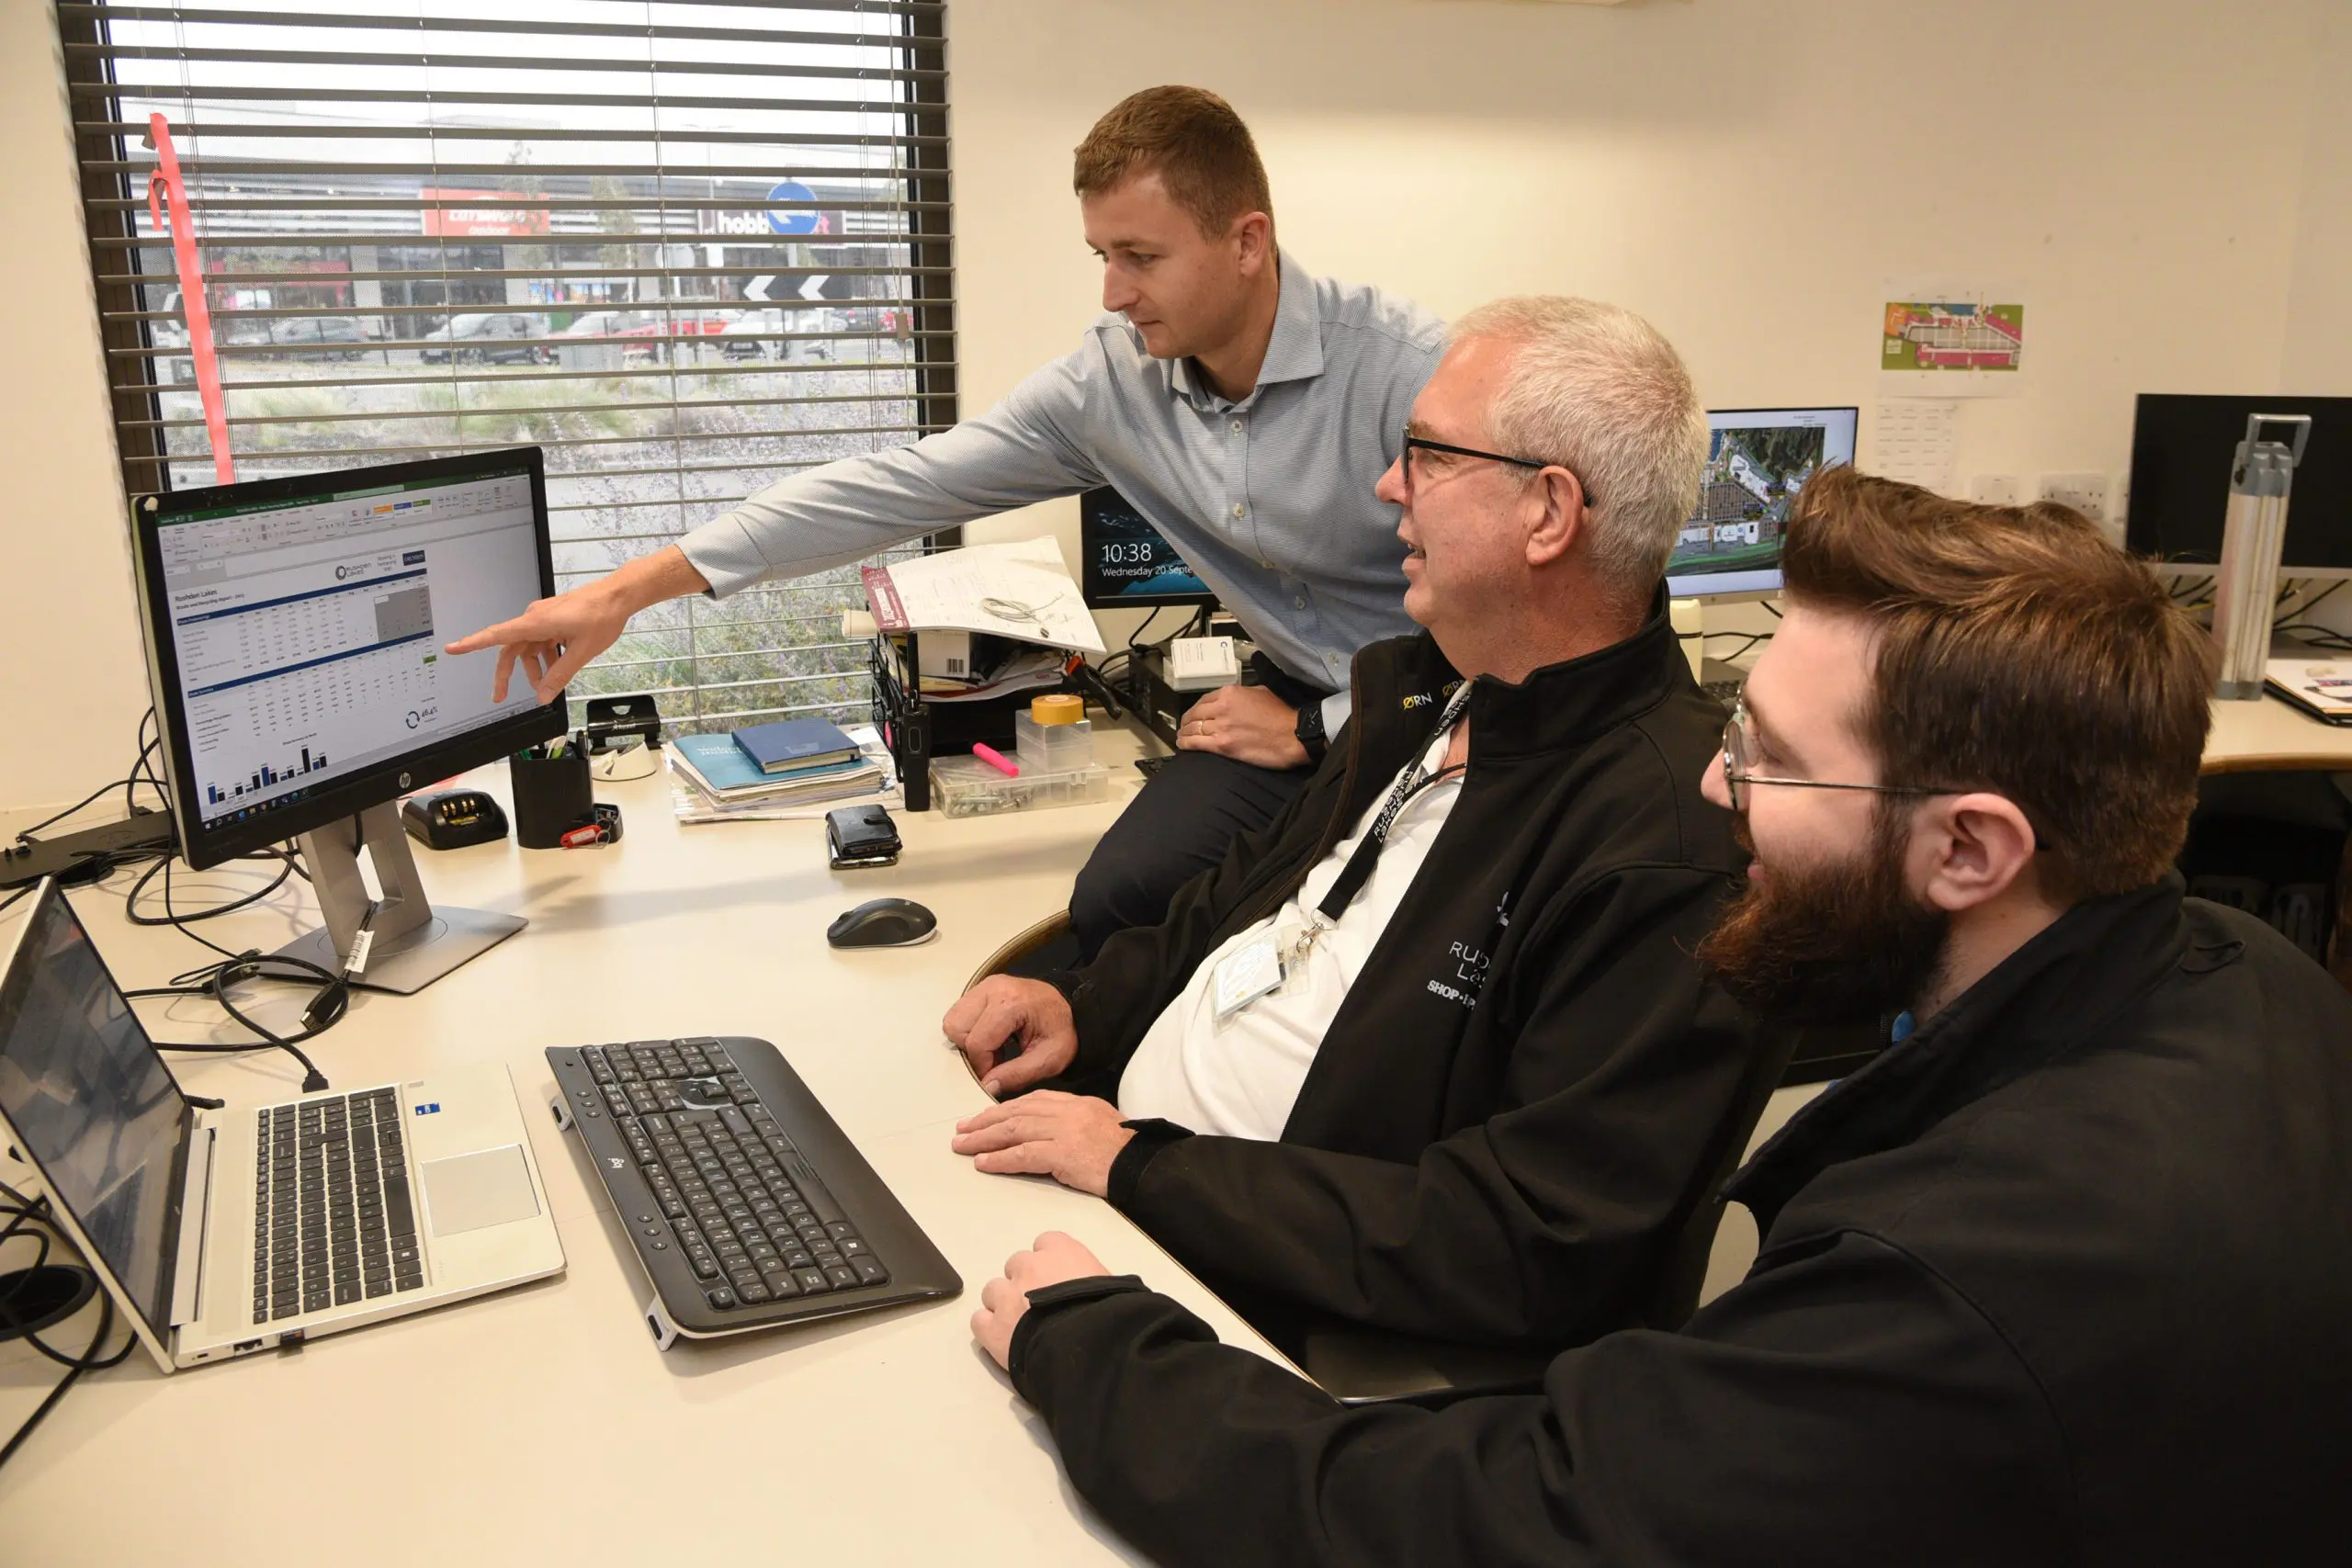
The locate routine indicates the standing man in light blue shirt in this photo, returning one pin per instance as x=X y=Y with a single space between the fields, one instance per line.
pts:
x=1244 y=407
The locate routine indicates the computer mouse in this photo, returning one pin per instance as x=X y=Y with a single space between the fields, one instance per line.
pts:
x=883 y=922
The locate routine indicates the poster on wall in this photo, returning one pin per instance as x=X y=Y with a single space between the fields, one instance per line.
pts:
x=1915 y=442
x=1948 y=342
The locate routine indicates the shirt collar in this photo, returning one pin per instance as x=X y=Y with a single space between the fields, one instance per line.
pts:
x=1294 y=353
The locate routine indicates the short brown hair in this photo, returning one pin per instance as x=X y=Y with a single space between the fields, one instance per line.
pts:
x=2017 y=651
x=1196 y=143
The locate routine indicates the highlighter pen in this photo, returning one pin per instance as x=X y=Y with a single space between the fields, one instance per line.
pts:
x=996 y=758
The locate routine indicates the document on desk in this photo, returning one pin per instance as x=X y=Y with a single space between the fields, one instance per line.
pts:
x=2321 y=688
x=1019 y=590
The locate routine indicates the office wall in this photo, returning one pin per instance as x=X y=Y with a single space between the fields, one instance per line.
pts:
x=72 y=682
x=2317 y=360
x=1751 y=173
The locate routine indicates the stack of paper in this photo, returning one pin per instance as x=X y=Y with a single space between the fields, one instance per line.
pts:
x=1025 y=667
x=712 y=780
x=1020 y=592
x=2321 y=688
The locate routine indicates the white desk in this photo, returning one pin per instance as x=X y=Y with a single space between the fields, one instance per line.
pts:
x=541 y=1425
x=2270 y=737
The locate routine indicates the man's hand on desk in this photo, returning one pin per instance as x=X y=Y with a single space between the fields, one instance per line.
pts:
x=555 y=637
x=1248 y=724
x=1072 y=1138
x=1001 y=1012
x=1054 y=1259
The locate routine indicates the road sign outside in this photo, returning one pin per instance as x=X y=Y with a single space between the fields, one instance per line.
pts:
x=797 y=220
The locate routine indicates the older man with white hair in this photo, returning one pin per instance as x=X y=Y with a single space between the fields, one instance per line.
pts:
x=1430 y=1053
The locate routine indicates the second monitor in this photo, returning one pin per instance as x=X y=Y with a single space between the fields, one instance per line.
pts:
x=1128 y=561
x=1757 y=461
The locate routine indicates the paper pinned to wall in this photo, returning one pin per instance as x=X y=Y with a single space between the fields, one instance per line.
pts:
x=1916 y=440
x=1936 y=340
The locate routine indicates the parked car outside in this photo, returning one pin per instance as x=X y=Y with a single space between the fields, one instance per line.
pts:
x=485 y=337
x=341 y=337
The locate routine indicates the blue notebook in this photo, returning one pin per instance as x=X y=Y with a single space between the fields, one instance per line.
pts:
x=721 y=768
x=795 y=743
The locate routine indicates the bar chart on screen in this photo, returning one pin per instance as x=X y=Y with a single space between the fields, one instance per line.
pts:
x=283 y=685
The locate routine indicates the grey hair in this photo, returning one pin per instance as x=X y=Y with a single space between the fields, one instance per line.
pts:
x=1598 y=390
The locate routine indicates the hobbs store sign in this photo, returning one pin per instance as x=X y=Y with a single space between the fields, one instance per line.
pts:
x=767 y=223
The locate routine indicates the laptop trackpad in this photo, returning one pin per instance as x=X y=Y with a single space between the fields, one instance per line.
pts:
x=470 y=1192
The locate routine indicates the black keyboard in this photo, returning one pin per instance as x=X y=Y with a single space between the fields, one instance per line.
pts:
x=334 y=1221
x=711 y=1150
x=1725 y=692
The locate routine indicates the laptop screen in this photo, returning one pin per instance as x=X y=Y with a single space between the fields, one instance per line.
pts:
x=95 y=1106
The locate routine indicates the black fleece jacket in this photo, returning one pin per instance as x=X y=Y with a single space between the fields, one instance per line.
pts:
x=2065 y=1278
x=1532 y=1084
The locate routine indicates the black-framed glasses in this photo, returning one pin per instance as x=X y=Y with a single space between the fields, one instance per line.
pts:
x=1414 y=443
x=1736 y=778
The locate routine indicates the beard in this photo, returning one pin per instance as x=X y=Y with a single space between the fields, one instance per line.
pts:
x=1840 y=944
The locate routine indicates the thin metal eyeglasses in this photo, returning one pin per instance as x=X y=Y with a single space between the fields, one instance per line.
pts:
x=1414 y=443
x=1736 y=778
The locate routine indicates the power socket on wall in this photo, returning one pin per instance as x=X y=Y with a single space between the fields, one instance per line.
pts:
x=1996 y=490
x=2088 y=493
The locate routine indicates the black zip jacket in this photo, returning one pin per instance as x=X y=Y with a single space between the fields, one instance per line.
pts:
x=2065 y=1277
x=1532 y=1084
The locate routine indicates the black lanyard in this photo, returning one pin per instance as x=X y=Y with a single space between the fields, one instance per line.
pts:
x=1358 y=871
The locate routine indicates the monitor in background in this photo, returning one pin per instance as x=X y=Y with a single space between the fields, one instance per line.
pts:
x=2182 y=450
x=1757 y=461
x=1127 y=562
x=294 y=630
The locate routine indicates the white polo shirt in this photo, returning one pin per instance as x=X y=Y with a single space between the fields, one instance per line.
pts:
x=1240 y=1077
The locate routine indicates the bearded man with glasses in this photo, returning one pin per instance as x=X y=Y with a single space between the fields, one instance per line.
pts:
x=1430 y=1054
x=2061 y=1277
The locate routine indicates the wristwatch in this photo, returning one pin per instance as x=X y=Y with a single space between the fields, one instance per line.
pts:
x=1311 y=731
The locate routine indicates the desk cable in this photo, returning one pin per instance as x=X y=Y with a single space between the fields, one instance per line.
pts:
x=212 y=981
x=21 y=1212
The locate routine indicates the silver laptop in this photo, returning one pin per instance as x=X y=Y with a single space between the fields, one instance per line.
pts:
x=221 y=1233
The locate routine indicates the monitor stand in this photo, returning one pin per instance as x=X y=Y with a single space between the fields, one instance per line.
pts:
x=414 y=943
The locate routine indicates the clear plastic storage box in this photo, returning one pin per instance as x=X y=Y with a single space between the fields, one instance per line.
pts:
x=1052 y=748
x=966 y=786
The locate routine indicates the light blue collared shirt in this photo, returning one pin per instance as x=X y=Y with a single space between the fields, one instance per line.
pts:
x=1269 y=498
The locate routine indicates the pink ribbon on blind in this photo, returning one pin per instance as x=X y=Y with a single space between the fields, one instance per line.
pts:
x=166 y=179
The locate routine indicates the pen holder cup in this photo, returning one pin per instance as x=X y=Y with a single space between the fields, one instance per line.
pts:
x=551 y=797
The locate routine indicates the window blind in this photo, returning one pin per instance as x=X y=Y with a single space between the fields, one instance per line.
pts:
x=686 y=248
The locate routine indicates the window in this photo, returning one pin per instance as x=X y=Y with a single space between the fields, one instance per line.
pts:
x=686 y=248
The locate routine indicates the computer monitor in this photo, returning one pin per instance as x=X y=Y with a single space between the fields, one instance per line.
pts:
x=1128 y=561
x=2182 y=450
x=294 y=629
x=1757 y=461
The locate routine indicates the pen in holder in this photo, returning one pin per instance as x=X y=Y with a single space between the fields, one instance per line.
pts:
x=552 y=795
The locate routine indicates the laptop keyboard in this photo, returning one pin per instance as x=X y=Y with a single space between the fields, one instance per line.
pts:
x=334 y=1220
x=735 y=1197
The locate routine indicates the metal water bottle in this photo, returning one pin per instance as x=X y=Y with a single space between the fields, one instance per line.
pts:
x=2252 y=541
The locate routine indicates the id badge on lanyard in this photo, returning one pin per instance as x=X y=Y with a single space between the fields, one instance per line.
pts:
x=1260 y=966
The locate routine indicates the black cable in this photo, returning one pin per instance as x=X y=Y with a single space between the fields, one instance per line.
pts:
x=19 y=892
x=212 y=981
x=89 y=799
x=172 y=918
x=2305 y=607
x=1753 y=638
x=23 y=1212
